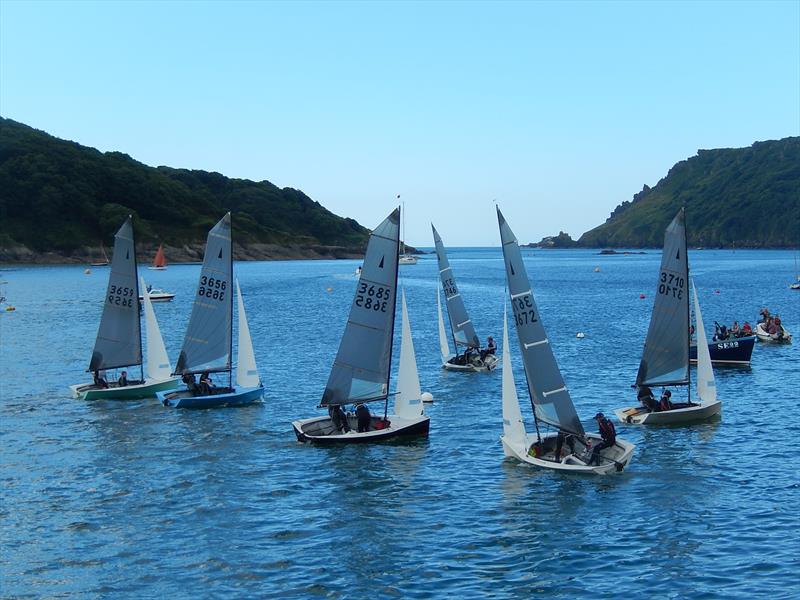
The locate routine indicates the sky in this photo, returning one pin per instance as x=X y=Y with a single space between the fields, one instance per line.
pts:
x=556 y=111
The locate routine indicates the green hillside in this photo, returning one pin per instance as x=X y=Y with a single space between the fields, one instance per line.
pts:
x=747 y=197
x=59 y=196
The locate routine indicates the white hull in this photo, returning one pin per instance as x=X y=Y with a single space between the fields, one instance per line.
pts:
x=321 y=429
x=148 y=389
x=764 y=336
x=407 y=259
x=677 y=416
x=612 y=459
x=476 y=366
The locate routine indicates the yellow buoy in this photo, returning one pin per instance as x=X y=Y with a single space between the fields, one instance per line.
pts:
x=329 y=290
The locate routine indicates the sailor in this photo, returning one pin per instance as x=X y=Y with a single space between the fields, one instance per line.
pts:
x=205 y=384
x=191 y=383
x=338 y=418
x=607 y=432
x=562 y=436
x=100 y=379
x=123 y=379
x=491 y=348
x=645 y=396
x=364 y=418
x=666 y=403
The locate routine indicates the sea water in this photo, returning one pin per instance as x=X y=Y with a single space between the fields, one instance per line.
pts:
x=133 y=499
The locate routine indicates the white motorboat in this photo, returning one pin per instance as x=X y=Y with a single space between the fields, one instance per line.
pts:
x=782 y=336
x=158 y=295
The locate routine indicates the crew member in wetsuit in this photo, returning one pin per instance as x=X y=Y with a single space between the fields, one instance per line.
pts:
x=364 y=418
x=666 y=403
x=491 y=348
x=338 y=418
x=100 y=380
x=607 y=432
x=645 y=396
x=123 y=379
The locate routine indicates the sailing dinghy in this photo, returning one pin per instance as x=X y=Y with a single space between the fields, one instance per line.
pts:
x=362 y=368
x=208 y=344
x=460 y=324
x=105 y=261
x=551 y=401
x=159 y=261
x=119 y=340
x=665 y=359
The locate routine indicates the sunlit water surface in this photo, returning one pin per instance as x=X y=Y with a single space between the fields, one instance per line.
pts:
x=133 y=499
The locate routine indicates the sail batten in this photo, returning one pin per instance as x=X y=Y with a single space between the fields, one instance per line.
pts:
x=550 y=397
x=463 y=330
x=119 y=341
x=665 y=358
x=207 y=343
x=361 y=370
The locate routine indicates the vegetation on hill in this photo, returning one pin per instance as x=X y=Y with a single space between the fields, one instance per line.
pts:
x=59 y=196
x=743 y=197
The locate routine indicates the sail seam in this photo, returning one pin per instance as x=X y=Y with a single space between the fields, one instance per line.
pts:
x=532 y=344
x=515 y=296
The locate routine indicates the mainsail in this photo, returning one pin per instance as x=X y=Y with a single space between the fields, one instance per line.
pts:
x=160 y=261
x=207 y=345
x=463 y=331
x=361 y=369
x=549 y=395
x=665 y=359
x=119 y=338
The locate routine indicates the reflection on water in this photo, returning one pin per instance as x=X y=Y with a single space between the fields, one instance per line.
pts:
x=130 y=498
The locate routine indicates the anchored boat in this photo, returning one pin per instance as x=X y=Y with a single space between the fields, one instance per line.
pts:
x=551 y=401
x=208 y=344
x=119 y=338
x=460 y=324
x=362 y=368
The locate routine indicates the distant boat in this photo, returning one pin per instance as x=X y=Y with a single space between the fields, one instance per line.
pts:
x=208 y=344
x=405 y=259
x=796 y=284
x=362 y=368
x=104 y=262
x=781 y=337
x=159 y=261
x=158 y=295
x=733 y=351
x=119 y=337
x=551 y=401
x=460 y=324
x=665 y=358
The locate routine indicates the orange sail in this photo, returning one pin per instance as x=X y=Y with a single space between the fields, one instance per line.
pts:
x=160 y=262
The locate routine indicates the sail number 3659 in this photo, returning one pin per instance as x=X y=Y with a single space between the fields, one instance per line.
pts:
x=671 y=285
x=213 y=289
x=372 y=297
x=524 y=313
x=120 y=296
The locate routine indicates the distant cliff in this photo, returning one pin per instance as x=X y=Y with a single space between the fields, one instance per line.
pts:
x=59 y=200
x=743 y=197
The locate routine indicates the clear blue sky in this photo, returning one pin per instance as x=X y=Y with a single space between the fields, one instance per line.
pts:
x=560 y=111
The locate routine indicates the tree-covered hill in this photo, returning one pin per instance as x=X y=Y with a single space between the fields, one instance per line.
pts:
x=58 y=196
x=743 y=197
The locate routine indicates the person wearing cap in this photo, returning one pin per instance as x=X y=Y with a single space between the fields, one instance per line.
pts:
x=607 y=432
x=491 y=348
x=666 y=403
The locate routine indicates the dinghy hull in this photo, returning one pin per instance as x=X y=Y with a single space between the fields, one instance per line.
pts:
x=185 y=399
x=320 y=430
x=148 y=389
x=479 y=366
x=634 y=415
x=612 y=460
x=737 y=351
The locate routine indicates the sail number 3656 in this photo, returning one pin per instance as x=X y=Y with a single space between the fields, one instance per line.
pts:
x=373 y=297
x=524 y=313
x=120 y=296
x=211 y=288
x=671 y=285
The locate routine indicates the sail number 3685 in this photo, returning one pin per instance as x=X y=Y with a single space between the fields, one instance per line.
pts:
x=120 y=296
x=211 y=288
x=671 y=285
x=373 y=297
x=524 y=313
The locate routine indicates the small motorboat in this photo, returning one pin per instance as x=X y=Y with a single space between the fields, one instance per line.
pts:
x=158 y=295
x=781 y=337
x=732 y=351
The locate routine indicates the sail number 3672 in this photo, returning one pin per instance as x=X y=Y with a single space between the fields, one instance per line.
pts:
x=213 y=289
x=372 y=297
x=524 y=314
x=671 y=285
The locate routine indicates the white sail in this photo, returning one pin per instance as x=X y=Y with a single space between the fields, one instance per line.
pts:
x=706 y=386
x=444 y=346
x=246 y=371
x=158 y=367
x=513 y=425
x=408 y=403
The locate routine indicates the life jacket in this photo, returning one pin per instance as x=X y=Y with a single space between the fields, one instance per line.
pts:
x=665 y=404
x=607 y=431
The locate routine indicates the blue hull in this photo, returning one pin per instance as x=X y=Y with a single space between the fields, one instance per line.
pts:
x=736 y=351
x=184 y=399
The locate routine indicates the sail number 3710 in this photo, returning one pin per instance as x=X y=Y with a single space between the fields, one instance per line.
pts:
x=524 y=313
x=373 y=297
x=671 y=285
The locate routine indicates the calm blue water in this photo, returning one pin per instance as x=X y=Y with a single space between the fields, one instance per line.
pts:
x=136 y=500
